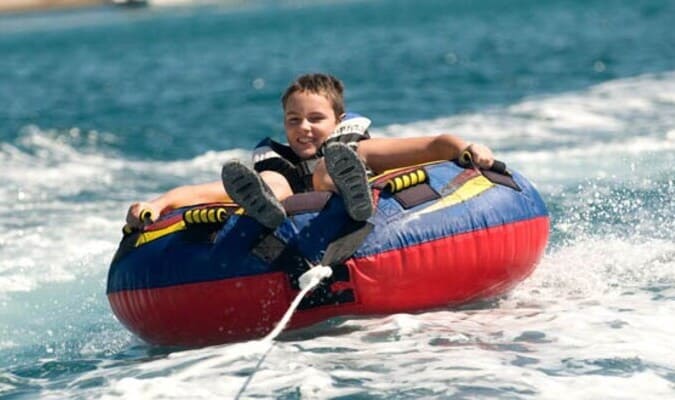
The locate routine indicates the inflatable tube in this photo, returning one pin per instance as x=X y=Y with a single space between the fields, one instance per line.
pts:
x=442 y=235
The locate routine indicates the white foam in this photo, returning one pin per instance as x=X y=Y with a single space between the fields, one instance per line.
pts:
x=42 y=182
x=6 y=344
x=608 y=129
x=52 y=165
x=593 y=267
x=443 y=353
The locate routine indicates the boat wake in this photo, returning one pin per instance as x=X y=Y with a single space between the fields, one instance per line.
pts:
x=594 y=319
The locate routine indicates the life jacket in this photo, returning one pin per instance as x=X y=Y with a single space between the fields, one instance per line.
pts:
x=270 y=155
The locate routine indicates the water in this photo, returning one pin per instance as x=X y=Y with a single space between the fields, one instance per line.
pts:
x=101 y=107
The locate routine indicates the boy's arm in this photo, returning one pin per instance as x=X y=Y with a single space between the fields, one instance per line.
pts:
x=381 y=154
x=178 y=197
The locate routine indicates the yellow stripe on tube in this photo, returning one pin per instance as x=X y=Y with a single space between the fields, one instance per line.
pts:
x=470 y=189
x=149 y=236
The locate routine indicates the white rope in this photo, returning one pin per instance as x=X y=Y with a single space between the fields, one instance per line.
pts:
x=307 y=281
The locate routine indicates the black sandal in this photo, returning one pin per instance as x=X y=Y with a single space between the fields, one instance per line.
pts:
x=247 y=189
x=350 y=177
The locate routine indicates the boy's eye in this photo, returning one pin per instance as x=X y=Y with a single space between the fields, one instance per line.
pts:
x=317 y=118
x=293 y=121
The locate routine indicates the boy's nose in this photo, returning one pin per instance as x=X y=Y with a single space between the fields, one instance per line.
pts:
x=305 y=125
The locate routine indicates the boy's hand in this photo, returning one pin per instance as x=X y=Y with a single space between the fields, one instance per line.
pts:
x=148 y=210
x=482 y=156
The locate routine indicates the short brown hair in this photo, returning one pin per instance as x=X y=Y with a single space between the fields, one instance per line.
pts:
x=323 y=84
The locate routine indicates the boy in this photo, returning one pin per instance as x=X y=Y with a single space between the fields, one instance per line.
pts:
x=325 y=151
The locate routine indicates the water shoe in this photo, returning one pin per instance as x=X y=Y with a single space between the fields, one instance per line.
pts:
x=247 y=189
x=350 y=177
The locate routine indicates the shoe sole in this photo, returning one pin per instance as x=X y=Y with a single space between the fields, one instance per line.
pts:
x=247 y=189
x=350 y=177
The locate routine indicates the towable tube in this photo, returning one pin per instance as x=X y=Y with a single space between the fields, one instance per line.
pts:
x=442 y=235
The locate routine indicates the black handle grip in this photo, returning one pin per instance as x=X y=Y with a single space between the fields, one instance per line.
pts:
x=466 y=161
x=499 y=167
x=145 y=216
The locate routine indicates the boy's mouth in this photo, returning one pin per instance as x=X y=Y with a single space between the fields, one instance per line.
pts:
x=306 y=140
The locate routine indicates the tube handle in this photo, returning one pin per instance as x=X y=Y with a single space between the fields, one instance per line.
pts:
x=145 y=216
x=466 y=161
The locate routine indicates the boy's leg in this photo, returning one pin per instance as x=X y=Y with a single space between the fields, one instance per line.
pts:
x=248 y=189
x=350 y=178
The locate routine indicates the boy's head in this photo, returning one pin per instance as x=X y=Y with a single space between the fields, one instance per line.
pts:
x=313 y=107
x=321 y=84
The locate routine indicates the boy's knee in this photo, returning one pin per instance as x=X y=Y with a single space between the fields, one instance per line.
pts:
x=277 y=183
x=320 y=179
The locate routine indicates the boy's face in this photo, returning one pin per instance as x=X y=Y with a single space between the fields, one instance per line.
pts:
x=308 y=120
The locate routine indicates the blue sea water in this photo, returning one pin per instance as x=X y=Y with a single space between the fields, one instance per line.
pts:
x=103 y=106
